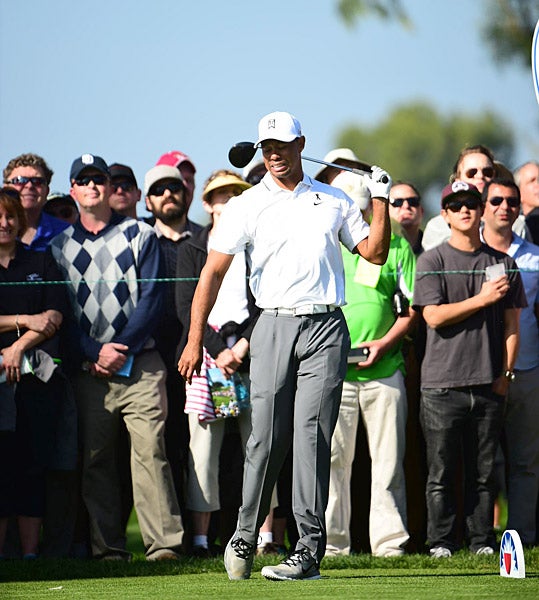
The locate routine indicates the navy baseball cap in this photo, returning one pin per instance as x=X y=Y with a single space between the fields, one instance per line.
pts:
x=85 y=162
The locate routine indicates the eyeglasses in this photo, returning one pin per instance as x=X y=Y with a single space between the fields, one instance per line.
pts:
x=469 y=203
x=487 y=172
x=171 y=186
x=512 y=201
x=413 y=201
x=11 y=192
x=126 y=186
x=21 y=180
x=97 y=179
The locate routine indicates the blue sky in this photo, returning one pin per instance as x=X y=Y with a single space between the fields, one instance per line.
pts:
x=129 y=80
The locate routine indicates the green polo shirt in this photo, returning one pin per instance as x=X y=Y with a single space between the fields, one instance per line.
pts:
x=369 y=303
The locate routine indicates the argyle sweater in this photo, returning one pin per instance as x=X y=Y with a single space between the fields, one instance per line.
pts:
x=108 y=302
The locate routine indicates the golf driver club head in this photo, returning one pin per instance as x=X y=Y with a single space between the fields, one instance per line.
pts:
x=241 y=154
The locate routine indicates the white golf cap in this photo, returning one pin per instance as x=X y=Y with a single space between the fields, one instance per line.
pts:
x=280 y=126
x=160 y=172
x=341 y=154
x=353 y=185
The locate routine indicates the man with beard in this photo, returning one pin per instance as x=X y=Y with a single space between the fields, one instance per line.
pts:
x=168 y=196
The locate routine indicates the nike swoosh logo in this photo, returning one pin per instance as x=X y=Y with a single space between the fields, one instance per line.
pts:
x=317 y=203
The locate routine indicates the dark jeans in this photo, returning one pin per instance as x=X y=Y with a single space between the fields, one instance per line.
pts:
x=461 y=422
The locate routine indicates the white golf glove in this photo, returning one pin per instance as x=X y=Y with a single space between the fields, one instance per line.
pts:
x=379 y=183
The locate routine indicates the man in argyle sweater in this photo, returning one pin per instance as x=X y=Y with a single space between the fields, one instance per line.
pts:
x=112 y=263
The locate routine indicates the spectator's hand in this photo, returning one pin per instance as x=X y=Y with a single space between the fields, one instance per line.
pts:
x=44 y=323
x=492 y=291
x=190 y=361
x=227 y=362
x=112 y=356
x=500 y=385
x=100 y=372
x=376 y=351
x=376 y=184
x=240 y=349
x=11 y=362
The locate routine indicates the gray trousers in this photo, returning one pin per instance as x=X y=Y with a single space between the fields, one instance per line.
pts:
x=297 y=368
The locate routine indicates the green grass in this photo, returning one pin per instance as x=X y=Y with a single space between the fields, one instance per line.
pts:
x=359 y=576
x=408 y=577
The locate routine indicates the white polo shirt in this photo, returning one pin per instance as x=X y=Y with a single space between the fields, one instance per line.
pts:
x=292 y=239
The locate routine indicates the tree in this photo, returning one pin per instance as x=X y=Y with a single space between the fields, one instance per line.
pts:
x=507 y=28
x=415 y=142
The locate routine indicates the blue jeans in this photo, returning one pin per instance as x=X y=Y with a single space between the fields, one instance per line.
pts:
x=461 y=422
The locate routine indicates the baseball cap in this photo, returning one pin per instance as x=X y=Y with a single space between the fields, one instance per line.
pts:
x=451 y=190
x=175 y=158
x=160 y=172
x=280 y=126
x=222 y=180
x=85 y=162
x=118 y=171
x=341 y=154
x=354 y=186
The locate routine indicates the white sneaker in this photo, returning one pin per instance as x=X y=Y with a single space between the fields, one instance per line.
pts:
x=299 y=565
x=238 y=558
x=440 y=552
x=485 y=550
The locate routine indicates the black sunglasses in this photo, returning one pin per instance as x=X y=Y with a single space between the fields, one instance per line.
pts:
x=20 y=180
x=487 y=172
x=469 y=203
x=512 y=201
x=97 y=179
x=126 y=186
x=160 y=188
x=413 y=201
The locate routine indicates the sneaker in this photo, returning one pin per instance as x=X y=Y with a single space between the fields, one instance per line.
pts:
x=299 y=565
x=200 y=552
x=440 y=552
x=238 y=560
x=485 y=550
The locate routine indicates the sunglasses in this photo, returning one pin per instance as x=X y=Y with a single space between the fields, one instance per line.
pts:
x=160 y=188
x=126 y=186
x=487 y=172
x=413 y=201
x=97 y=179
x=20 y=180
x=512 y=201
x=63 y=213
x=469 y=203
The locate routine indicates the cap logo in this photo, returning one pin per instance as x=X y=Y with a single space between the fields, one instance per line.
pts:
x=459 y=186
x=271 y=123
x=87 y=159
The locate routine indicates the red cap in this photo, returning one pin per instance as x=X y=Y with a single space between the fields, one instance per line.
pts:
x=452 y=190
x=175 y=158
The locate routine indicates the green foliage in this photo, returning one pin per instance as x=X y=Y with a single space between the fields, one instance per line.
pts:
x=508 y=29
x=352 y=11
x=417 y=143
x=507 y=26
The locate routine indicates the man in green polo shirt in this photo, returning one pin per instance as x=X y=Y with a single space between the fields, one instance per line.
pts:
x=374 y=390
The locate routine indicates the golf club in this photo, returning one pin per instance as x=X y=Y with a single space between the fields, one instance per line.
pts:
x=241 y=154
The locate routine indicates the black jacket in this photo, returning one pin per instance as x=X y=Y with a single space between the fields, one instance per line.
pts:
x=192 y=255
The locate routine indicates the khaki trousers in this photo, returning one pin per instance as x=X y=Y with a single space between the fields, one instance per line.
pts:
x=140 y=400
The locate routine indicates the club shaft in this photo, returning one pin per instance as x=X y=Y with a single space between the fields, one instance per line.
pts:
x=341 y=167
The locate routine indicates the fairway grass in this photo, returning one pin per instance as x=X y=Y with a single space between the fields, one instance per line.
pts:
x=362 y=576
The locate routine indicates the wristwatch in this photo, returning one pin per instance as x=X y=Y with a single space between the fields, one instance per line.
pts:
x=509 y=375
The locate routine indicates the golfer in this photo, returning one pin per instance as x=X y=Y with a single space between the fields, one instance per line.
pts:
x=291 y=227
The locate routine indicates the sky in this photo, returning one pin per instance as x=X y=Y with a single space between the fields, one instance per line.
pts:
x=131 y=79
